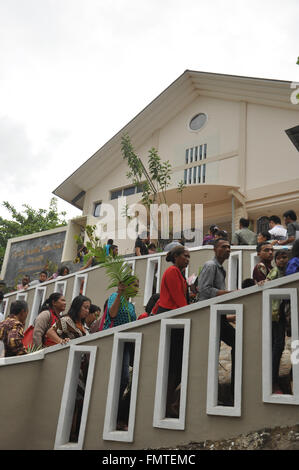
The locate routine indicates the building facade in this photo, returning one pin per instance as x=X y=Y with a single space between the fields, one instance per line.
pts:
x=225 y=138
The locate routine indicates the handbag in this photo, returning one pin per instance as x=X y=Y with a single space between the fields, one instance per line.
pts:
x=28 y=336
x=104 y=318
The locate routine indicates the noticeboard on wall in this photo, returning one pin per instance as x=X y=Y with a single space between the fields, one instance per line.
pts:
x=33 y=254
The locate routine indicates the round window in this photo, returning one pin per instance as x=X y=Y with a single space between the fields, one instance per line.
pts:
x=198 y=121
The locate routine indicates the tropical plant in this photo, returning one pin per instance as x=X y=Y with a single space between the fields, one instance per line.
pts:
x=31 y=348
x=120 y=272
x=155 y=180
x=116 y=268
x=92 y=244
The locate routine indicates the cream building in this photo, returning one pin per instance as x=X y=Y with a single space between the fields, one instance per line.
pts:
x=225 y=138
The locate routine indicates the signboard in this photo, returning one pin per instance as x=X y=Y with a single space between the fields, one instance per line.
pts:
x=31 y=255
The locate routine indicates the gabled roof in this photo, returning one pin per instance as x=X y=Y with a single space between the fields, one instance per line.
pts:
x=162 y=109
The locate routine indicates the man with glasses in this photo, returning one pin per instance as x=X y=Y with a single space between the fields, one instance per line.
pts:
x=261 y=270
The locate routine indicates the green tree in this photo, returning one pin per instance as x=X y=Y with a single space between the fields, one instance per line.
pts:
x=28 y=221
x=155 y=180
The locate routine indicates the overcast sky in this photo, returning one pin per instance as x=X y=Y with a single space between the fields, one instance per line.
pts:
x=74 y=72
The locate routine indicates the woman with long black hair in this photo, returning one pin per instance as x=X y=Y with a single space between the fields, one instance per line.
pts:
x=50 y=312
x=71 y=326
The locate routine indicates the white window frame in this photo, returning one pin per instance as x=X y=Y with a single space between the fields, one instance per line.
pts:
x=254 y=259
x=39 y=298
x=159 y=419
x=268 y=296
x=149 y=279
x=77 y=282
x=132 y=264
x=22 y=296
x=235 y=259
x=213 y=362
x=69 y=396
x=110 y=433
x=6 y=300
x=62 y=283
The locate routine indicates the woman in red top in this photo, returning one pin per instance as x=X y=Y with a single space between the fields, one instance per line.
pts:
x=174 y=288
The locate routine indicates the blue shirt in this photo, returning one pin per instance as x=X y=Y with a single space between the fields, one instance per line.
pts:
x=125 y=314
x=292 y=266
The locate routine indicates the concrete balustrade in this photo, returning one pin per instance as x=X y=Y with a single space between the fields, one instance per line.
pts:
x=36 y=388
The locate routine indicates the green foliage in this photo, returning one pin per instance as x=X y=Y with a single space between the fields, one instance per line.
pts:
x=160 y=172
x=155 y=180
x=28 y=221
x=181 y=186
x=116 y=268
x=135 y=172
x=31 y=348
x=297 y=60
x=119 y=271
x=93 y=245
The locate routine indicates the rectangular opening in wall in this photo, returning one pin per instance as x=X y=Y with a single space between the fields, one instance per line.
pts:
x=60 y=286
x=75 y=399
x=204 y=173
x=185 y=176
x=235 y=270
x=199 y=174
x=194 y=174
x=187 y=156
x=122 y=390
x=132 y=265
x=152 y=279
x=225 y=360
x=172 y=375
x=80 y=283
x=22 y=296
x=39 y=298
x=254 y=260
x=280 y=333
x=5 y=307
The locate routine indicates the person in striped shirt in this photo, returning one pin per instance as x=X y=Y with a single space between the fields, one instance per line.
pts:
x=12 y=329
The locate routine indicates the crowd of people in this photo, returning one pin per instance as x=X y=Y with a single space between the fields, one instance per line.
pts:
x=43 y=276
x=54 y=326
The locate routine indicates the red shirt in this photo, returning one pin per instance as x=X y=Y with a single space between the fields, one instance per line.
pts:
x=173 y=292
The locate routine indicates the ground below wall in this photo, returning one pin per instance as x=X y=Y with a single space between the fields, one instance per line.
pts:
x=279 y=438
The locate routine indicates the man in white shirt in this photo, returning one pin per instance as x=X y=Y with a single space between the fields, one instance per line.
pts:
x=277 y=231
